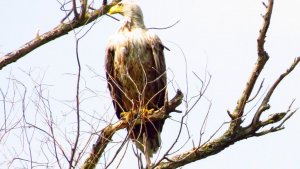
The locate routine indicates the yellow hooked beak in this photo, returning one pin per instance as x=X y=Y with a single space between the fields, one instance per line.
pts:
x=118 y=8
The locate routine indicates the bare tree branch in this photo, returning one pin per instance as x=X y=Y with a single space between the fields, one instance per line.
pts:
x=107 y=133
x=264 y=105
x=236 y=132
x=58 y=31
x=217 y=145
x=260 y=63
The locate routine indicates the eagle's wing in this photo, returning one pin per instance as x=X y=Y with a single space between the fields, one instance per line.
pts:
x=113 y=84
x=160 y=67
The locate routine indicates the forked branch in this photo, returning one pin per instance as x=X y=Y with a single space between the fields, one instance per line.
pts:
x=260 y=63
x=264 y=105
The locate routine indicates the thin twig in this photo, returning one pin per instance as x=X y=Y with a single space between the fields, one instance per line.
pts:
x=74 y=9
x=113 y=17
x=260 y=87
x=83 y=7
x=74 y=148
x=166 y=27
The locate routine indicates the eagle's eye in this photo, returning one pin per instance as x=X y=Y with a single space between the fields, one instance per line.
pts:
x=120 y=4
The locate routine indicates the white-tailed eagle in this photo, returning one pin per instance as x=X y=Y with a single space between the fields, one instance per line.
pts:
x=136 y=75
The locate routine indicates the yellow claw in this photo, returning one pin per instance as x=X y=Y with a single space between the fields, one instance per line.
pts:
x=128 y=116
x=145 y=112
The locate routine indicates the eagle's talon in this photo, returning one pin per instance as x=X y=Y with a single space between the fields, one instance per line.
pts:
x=146 y=112
x=127 y=116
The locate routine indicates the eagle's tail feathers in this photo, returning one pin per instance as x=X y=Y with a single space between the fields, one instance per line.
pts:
x=147 y=137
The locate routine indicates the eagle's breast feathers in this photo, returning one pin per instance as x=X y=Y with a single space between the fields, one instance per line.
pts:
x=137 y=64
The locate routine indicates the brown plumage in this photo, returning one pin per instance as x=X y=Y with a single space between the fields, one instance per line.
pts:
x=136 y=74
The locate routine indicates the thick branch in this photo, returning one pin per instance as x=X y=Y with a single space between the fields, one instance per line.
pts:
x=107 y=133
x=219 y=144
x=261 y=61
x=56 y=32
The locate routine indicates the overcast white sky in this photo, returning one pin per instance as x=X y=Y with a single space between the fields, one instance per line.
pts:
x=214 y=36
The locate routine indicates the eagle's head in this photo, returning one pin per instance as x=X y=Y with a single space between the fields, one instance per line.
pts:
x=126 y=8
x=131 y=12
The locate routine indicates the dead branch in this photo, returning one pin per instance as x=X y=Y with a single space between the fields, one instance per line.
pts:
x=58 y=31
x=264 y=105
x=260 y=63
x=107 y=133
x=233 y=134
x=236 y=132
x=217 y=145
